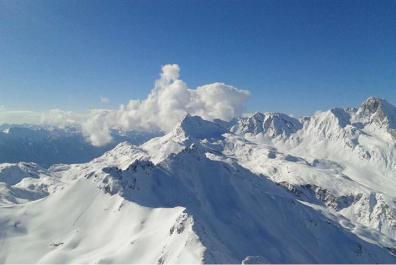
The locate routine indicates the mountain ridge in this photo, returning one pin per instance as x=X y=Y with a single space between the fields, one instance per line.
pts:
x=266 y=188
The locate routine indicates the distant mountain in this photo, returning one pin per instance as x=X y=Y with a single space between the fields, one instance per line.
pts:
x=378 y=112
x=47 y=146
x=267 y=188
x=270 y=124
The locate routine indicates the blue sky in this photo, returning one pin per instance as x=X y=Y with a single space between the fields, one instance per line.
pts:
x=293 y=56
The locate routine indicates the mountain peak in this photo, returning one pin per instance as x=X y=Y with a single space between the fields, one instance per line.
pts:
x=372 y=104
x=258 y=116
x=341 y=115
x=379 y=111
x=270 y=123
x=197 y=127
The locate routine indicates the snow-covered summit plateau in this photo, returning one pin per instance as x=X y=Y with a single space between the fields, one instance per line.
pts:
x=267 y=188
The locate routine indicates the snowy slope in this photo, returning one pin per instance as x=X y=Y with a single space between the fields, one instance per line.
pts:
x=23 y=182
x=344 y=158
x=271 y=189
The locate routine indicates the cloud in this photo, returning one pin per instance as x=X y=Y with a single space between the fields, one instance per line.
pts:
x=104 y=100
x=18 y=116
x=96 y=129
x=62 y=119
x=166 y=105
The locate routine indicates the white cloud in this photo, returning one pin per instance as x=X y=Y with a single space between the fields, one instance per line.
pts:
x=169 y=101
x=96 y=129
x=62 y=119
x=166 y=105
x=104 y=100
x=53 y=117
x=19 y=116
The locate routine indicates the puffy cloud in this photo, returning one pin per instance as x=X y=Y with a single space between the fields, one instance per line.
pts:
x=166 y=105
x=62 y=119
x=96 y=128
x=170 y=72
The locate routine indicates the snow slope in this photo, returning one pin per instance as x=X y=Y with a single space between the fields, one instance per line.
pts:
x=271 y=189
x=342 y=158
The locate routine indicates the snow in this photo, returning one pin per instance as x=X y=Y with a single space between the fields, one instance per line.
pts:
x=266 y=188
x=269 y=124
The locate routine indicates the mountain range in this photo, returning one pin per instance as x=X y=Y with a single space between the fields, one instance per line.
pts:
x=48 y=145
x=265 y=188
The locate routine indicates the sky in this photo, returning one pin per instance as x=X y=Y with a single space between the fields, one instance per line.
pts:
x=295 y=57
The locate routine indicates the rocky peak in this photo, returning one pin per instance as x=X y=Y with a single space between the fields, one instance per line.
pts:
x=271 y=124
x=196 y=127
x=378 y=111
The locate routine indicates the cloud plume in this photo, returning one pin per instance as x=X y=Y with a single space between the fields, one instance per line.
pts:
x=165 y=106
x=168 y=102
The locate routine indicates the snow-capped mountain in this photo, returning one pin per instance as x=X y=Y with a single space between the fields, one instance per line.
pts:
x=267 y=188
x=379 y=112
x=269 y=124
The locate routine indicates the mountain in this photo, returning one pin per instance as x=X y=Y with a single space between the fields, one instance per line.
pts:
x=339 y=159
x=267 y=188
x=47 y=146
x=378 y=112
x=269 y=124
